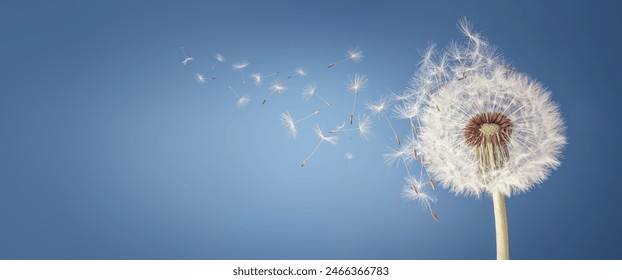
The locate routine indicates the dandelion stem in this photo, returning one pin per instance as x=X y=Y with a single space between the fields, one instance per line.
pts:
x=501 y=226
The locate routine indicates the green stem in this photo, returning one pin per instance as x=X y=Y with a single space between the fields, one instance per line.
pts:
x=501 y=226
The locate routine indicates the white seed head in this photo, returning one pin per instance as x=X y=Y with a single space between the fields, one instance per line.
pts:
x=484 y=127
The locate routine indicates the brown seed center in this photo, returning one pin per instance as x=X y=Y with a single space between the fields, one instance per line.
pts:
x=494 y=128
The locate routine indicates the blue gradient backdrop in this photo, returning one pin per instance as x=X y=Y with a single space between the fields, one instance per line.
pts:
x=109 y=149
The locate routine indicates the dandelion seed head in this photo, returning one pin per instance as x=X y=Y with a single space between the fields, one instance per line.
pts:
x=348 y=156
x=220 y=58
x=240 y=65
x=357 y=83
x=485 y=128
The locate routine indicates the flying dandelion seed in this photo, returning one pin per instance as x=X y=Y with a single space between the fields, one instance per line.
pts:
x=201 y=79
x=364 y=126
x=415 y=190
x=356 y=84
x=300 y=72
x=277 y=87
x=241 y=65
x=323 y=138
x=186 y=57
x=356 y=55
x=349 y=156
x=379 y=108
x=258 y=78
x=310 y=91
x=288 y=122
x=242 y=100
x=408 y=110
x=485 y=129
x=219 y=59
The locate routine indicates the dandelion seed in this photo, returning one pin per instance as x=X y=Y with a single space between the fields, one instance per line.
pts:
x=415 y=190
x=349 y=156
x=186 y=57
x=201 y=79
x=258 y=78
x=395 y=156
x=242 y=100
x=241 y=65
x=288 y=122
x=364 y=126
x=330 y=139
x=498 y=133
x=310 y=91
x=378 y=108
x=300 y=72
x=356 y=84
x=277 y=87
x=355 y=54
x=219 y=59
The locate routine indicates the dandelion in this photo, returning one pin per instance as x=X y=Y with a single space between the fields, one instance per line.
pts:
x=486 y=129
x=288 y=122
x=186 y=57
x=323 y=138
x=356 y=84
x=258 y=78
x=240 y=66
x=219 y=59
x=355 y=54
x=300 y=72
x=201 y=79
x=310 y=91
x=349 y=156
x=378 y=108
x=242 y=100
x=277 y=87
x=364 y=126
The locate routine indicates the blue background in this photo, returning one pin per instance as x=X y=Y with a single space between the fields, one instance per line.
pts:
x=109 y=149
